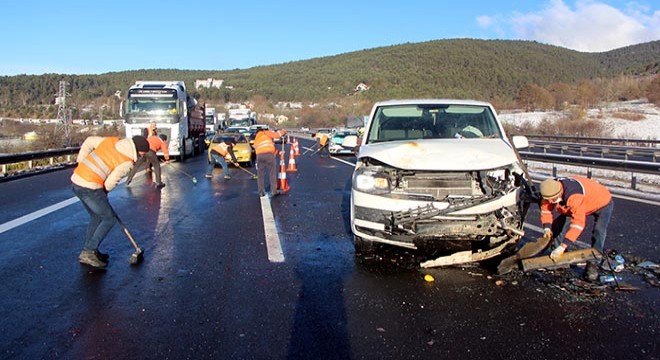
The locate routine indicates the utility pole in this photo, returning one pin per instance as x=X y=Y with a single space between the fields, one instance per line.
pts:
x=63 y=116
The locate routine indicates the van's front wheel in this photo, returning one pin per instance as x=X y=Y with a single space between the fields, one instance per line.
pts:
x=363 y=247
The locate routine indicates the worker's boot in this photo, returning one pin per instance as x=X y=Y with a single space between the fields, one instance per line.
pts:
x=591 y=272
x=102 y=256
x=88 y=257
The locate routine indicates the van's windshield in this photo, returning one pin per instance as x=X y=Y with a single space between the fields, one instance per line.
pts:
x=446 y=121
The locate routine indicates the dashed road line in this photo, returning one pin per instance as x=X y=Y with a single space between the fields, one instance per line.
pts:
x=273 y=244
x=37 y=214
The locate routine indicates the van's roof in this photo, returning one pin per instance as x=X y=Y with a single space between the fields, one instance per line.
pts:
x=432 y=101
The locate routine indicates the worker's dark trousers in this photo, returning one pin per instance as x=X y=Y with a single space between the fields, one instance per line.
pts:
x=324 y=151
x=217 y=159
x=151 y=159
x=601 y=220
x=266 y=161
x=102 y=218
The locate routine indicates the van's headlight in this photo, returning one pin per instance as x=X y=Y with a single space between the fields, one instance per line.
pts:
x=370 y=181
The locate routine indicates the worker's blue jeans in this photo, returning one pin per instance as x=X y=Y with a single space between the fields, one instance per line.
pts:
x=217 y=159
x=601 y=220
x=102 y=217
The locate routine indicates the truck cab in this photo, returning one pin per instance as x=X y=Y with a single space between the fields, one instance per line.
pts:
x=168 y=105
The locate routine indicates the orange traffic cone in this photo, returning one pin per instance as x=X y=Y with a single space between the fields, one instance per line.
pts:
x=295 y=146
x=282 y=184
x=292 y=161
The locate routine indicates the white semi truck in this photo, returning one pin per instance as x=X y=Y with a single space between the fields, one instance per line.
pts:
x=211 y=120
x=174 y=112
x=242 y=117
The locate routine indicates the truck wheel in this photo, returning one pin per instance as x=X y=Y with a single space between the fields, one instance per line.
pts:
x=182 y=156
x=201 y=145
x=363 y=247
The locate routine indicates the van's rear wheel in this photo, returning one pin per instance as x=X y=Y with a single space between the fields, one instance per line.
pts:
x=363 y=247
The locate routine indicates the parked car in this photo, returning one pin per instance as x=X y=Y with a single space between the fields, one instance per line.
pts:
x=438 y=173
x=208 y=138
x=238 y=129
x=343 y=142
x=242 y=149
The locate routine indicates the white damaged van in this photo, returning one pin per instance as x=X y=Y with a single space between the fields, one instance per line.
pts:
x=440 y=172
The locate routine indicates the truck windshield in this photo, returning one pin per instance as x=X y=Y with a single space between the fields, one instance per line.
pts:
x=242 y=122
x=155 y=106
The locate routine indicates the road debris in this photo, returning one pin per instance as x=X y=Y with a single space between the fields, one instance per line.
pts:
x=569 y=258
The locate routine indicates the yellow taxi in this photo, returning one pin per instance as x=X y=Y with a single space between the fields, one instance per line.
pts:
x=242 y=149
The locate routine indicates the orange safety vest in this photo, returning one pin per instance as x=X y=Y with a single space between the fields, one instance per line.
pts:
x=323 y=139
x=97 y=166
x=581 y=197
x=156 y=143
x=221 y=148
x=263 y=143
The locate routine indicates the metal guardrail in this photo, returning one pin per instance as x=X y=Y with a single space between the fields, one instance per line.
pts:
x=27 y=161
x=646 y=154
x=596 y=140
x=614 y=157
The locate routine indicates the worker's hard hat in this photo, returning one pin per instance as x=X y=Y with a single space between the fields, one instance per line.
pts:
x=550 y=188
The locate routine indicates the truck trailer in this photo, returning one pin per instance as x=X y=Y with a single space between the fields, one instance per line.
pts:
x=174 y=112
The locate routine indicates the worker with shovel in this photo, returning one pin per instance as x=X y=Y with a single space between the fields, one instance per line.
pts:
x=216 y=155
x=102 y=162
x=575 y=197
x=264 y=146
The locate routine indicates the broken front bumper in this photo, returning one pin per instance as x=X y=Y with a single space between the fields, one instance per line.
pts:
x=406 y=222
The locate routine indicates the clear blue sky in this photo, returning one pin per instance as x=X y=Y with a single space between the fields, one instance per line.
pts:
x=94 y=37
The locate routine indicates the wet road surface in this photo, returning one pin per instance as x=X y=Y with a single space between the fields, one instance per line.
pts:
x=207 y=289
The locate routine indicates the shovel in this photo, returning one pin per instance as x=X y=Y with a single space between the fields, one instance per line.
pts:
x=528 y=250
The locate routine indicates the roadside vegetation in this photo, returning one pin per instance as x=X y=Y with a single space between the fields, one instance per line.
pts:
x=521 y=75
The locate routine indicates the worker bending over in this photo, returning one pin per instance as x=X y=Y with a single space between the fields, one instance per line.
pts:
x=102 y=162
x=216 y=155
x=324 y=142
x=575 y=197
x=156 y=143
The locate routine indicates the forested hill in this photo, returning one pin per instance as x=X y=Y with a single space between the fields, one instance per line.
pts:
x=463 y=68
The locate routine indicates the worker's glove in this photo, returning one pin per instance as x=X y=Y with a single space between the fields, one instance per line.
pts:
x=556 y=253
x=547 y=233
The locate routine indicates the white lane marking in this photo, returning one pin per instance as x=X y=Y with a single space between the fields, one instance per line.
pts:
x=273 y=244
x=342 y=160
x=37 y=214
x=645 y=201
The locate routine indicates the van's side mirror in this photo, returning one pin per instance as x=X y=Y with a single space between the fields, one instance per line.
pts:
x=520 y=142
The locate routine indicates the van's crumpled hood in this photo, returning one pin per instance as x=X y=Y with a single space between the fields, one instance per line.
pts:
x=442 y=154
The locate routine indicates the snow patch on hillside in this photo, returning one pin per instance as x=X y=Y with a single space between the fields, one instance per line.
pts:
x=646 y=129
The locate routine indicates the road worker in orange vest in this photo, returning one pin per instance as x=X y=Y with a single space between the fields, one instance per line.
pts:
x=102 y=162
x=265 y=148
x=156 y=143
x=575 y=198
x=324 y=143
x=216 y=155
